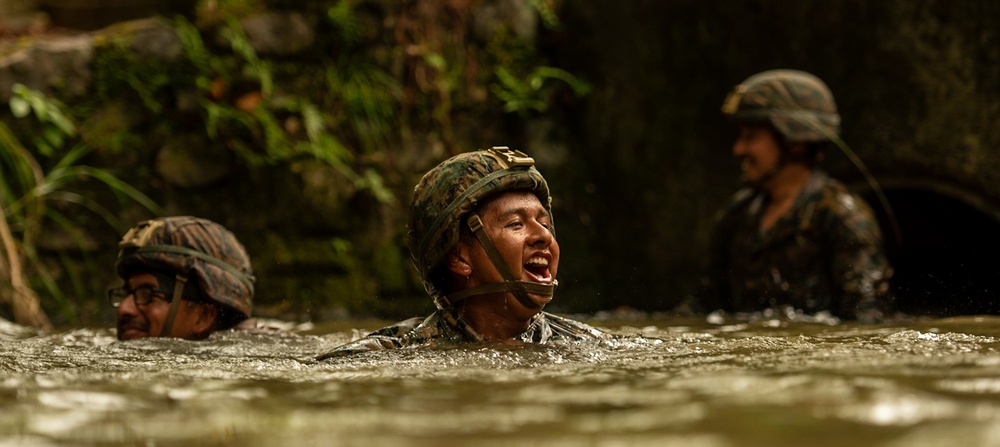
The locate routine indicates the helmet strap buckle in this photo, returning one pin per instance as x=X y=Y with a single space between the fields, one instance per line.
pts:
x=475 y=224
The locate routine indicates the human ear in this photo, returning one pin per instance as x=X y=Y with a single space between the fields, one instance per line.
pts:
x=459 y=261
x=205 y=316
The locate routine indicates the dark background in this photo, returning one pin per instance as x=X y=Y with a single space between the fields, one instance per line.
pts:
x=917 y=84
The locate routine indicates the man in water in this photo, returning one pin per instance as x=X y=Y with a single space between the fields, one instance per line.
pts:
x=482 y=238
x=794 y=236
x=185 y=277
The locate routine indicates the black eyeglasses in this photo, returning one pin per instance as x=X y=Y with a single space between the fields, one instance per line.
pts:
x=143 y=295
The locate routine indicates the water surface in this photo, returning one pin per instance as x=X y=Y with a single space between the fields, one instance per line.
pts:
x=668 y=381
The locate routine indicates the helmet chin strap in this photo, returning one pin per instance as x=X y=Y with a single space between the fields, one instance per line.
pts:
x=520 y=289
x=175 y=303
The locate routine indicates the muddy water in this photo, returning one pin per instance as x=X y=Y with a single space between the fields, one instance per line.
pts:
x=663 y=382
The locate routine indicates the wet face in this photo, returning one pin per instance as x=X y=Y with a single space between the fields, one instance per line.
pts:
x=759 y=153
x=193 y=320
x=520 y=228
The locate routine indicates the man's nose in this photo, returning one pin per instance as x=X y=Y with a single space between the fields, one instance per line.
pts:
x=739 y=147
x=128 y=306
x=540 y=234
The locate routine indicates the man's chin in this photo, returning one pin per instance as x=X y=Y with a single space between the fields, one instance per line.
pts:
x=539 y=300
x=752 y=181
x=132 y=333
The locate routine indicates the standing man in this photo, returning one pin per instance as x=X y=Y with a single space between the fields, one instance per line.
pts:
x=482 y=239
x=185 y=277
x=794 y=236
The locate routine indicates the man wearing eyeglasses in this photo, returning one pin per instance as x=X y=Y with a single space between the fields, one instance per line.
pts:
x=185 y=277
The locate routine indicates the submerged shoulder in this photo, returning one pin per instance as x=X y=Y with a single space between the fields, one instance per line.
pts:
x=400 y=328
x=390 y=337
x=568 y=328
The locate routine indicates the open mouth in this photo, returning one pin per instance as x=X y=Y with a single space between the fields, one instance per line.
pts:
x=537 y=269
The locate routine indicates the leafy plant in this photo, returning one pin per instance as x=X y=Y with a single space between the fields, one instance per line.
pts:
x=28 y=186
x=547 y=13
x=258 y=125
x=55 y=126
x=532 y=93
x=342 y=16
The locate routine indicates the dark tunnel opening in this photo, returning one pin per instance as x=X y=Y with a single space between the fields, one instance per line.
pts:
x=948 y=257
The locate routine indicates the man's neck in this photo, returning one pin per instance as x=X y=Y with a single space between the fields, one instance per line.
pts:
x=494 y=324
x=782 y=190
x=787 y=183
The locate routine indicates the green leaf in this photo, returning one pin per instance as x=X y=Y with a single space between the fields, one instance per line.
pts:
x=436 y=60
x=313 y=120
x=53 y=137
x=377 y=187
x=19 y=107
x=120 y=186
x=43 y=147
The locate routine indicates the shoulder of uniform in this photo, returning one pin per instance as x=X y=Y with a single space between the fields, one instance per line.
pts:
x=389 y=337
x=743 y=195
x=739 y=200
x=570 y=327
x=842 y=207
x=844 y=201
x=400 y=328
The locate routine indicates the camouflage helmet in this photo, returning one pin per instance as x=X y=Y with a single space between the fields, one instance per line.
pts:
x=798 y=105
x=196 y=247
x=452 y=190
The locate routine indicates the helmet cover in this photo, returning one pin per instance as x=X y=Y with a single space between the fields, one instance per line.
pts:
x=449 y=192
x=196 y=247
x=797 y=104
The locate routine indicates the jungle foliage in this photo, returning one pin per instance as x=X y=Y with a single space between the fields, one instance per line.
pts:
x=35 y=186
x=316 y=149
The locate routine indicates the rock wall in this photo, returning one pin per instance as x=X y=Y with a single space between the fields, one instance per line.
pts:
x=302 y=126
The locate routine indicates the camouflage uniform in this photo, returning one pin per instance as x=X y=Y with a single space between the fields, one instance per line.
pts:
x=824 y=254
x=443 y=201
x=442 y=329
